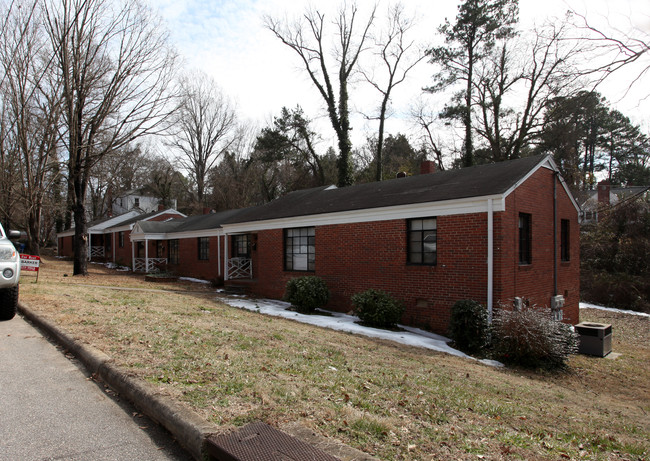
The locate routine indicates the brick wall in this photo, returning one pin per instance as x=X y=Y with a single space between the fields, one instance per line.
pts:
x=534 y=281
x=188 y=257
x=355 y=257
x=65 y=246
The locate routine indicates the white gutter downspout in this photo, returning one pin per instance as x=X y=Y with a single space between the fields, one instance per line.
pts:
x=225 y=257
x=490 y=258
x=219 y=255
x=132 y=254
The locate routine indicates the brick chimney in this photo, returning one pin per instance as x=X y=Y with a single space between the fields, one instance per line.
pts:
x=427 y=167
x=603 y=192
x=161 y=207
x=207 y=210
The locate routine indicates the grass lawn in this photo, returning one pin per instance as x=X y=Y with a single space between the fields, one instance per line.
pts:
x=393 y=401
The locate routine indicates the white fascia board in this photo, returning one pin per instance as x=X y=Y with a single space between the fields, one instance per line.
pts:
x=415 y=210
x=213 y=232
x=549 y=163
x=112 y=222
x=167 y=211
x=126 y=227
x=139 y=236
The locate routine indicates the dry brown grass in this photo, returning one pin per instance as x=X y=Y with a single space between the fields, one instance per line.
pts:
x=393 y=401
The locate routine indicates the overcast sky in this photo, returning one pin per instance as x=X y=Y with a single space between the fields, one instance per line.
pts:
x=227 y=40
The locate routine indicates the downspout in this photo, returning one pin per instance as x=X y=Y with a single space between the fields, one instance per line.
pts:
x=132 y=254
x=490 y=258
x=225 y=257
x=90 y=246
x=555 y=234
x=219 y=255
x=113 y=244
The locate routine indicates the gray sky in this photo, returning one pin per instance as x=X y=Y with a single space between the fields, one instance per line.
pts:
x=227 y=40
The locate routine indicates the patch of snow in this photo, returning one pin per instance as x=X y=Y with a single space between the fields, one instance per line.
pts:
x=190 y=279
x=348 y=323
x=611 y=309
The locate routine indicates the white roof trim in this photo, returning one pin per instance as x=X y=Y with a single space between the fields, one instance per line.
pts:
x=416 y=210
x=139 y=235
x=549 y=163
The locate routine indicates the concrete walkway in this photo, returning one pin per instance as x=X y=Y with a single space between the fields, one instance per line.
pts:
x=50 y=409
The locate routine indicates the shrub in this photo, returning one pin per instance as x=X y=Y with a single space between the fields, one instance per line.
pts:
x=614 y=267
x=531 y=338
x=307 y=293
x=377 y=308
x=469 y=327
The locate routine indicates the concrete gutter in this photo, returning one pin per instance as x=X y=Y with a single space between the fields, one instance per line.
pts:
x=188 y=428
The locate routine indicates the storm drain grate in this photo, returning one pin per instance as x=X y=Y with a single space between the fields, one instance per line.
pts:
x=261 y=442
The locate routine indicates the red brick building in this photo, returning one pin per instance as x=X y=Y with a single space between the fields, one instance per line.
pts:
x=502 y=233
x=109 y=238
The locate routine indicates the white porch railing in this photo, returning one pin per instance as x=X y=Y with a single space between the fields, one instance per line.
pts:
x=240 y=268
x=97 y=252
x=148 y=265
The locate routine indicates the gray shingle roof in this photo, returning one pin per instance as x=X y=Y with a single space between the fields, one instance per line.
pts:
x=477 y=181
x=188 y=224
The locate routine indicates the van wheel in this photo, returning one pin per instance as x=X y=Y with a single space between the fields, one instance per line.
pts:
x=8 y=303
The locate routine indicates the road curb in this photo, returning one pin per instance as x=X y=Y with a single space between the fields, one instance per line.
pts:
x=189 y=429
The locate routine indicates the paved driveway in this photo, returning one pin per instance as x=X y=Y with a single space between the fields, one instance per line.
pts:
x=49 y=409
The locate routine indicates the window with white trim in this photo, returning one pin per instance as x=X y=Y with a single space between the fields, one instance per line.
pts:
x=300 y=249
x=423 y=241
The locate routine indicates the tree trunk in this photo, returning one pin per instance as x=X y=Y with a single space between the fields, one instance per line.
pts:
x=81 y=241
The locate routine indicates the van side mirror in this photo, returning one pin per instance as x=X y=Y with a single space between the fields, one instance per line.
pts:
x=13 y=234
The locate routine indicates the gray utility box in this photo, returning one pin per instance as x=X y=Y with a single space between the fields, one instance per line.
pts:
x=595 y=338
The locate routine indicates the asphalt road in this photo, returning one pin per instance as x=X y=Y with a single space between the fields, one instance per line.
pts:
x=51 y=410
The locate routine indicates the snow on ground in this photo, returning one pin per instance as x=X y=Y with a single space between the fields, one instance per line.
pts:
x=348 y=323
x=190 y=279
x=611 y=309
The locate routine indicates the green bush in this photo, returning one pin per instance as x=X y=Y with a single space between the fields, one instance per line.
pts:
x=469 y=326
x=307 y=293
x=532 y=339
x=377 y=308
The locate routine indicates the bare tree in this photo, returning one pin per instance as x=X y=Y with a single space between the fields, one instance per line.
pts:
x=428 y=122
x=32 y=95
x=308 y=38
x=205 y=127
x=514 y=88
x=479 y=24
x=116 y=69
x=614 y=50
x=397 y=55
x=9 y=161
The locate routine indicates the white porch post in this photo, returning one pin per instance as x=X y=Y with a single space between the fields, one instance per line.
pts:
x=133 y=255
x=490 y=257
x=146 y=255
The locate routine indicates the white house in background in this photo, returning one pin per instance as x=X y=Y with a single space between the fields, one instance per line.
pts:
x=136 y=199
x=605 y=196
